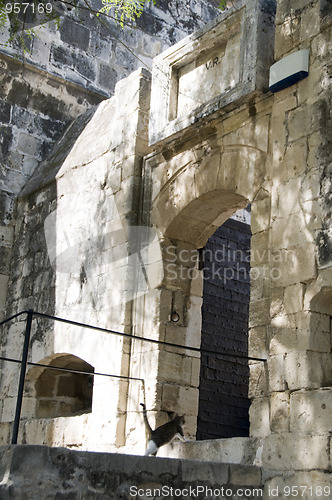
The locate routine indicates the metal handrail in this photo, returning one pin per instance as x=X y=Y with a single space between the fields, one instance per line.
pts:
x=24 y=361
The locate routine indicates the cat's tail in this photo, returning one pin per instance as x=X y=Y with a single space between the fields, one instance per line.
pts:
x=146 y=419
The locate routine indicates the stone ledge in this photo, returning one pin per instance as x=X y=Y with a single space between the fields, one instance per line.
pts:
x=36 y=472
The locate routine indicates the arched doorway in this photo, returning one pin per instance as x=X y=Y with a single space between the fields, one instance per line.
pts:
x=187 y=198
x=223 y=409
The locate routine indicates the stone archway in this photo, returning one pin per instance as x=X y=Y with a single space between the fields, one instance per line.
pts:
x=190 y=195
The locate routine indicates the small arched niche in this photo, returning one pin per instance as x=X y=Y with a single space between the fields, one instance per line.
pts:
x=60 y=392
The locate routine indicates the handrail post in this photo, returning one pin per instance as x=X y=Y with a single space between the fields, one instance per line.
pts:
x=22 y=376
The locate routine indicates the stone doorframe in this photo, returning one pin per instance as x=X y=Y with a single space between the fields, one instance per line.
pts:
x=189 y=194
x=209 y=159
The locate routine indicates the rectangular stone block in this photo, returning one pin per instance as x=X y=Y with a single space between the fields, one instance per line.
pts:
x=259 y=248
x=295 y=452
x=279 y=412
x=310 y=22
x=321 y=336
x=295 y=160
x=29 y=145
x=285 y=8
x=303 y=121
x=194 y=324
x=290 y=231
x=293 y=298
x=278 y=131
x=195 y=372
x=259 y=312
x=183 y=400
x=5 y=433
x=277 y=373
x=259 y=415
x=258 y=342
x=245 y=475
x=196 y=287
x=176 y=334
x=260 y=215
x=294 y=265
x=214 y=473
x=258 y=282
x=287 y=203
x=8 y=409
x=282 y=340
x=310 y=411
x=239 y=450
x=258 y=381
x=277 y=302
x=307 y=370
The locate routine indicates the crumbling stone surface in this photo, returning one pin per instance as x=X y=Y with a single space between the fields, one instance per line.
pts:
x=41 y=472
x=36 y=472
x=67 y=71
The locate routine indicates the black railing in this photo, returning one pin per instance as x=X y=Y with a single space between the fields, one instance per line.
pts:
x=24 y=360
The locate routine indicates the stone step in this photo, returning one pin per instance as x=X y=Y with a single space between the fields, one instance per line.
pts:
x=237 y=450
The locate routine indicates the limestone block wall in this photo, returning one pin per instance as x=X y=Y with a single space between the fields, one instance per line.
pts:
x=94 y=54
x=65 y=72
x=36 y=107
x=193 y=192
x=206 y=164
x=94 y=475
x=74 y=258
x=198 y=175
x=297 y=307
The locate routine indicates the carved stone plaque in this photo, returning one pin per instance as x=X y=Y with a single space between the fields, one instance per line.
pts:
x=215 y=67
x=208 y=76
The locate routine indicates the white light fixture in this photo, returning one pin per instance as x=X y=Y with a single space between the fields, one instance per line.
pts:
x=289 y=70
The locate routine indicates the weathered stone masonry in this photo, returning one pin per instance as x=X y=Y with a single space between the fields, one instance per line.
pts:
x=67 y=71
x=182 y=179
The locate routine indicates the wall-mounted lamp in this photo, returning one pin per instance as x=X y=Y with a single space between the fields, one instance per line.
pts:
x=289 y=70
x=175 y=317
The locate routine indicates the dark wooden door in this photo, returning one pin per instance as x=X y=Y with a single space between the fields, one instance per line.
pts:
x=223 y=396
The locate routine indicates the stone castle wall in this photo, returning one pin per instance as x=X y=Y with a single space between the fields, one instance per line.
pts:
x=157 y=183
x=62 y=272
x=65 y=72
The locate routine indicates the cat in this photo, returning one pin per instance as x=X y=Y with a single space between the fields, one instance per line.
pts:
x=163 y=434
